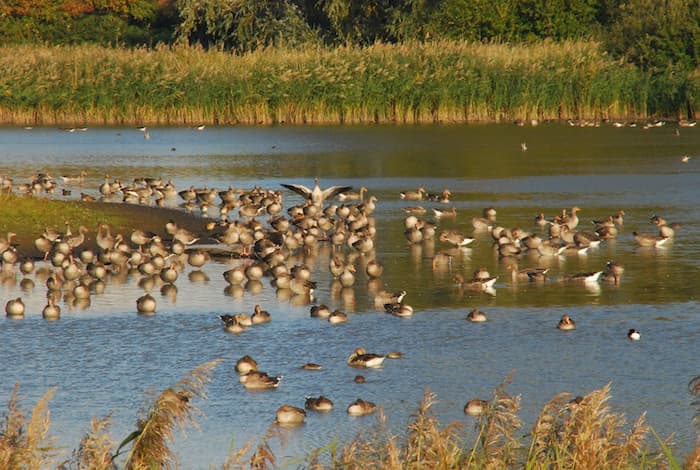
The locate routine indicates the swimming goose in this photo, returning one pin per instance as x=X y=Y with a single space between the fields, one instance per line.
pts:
x=317 y=196
x=51 y=311
x=456 y=238
x=321 y=404
x=634 y=335
x=619 y=217
x=320 y=311
x=571 y=219
x=383 y=297
x=528 y=274
x=312 y=366
x=288 y=415
x=15 y=308
x=415 y=210
x=260 y=316
x=476 y=407
x=374 y=269
x=566 y=323
x=666 y=230
x=649 y=239
x=361 y=358
x=337 y=317
x=348 y=196
x=398 y=309
x=476 y=316
x=246 y=364
x=445 y=213
x=361 y=408
x=584 y=277
x=475 y=283
x=256 y=380
x=482 y=224
x=146 y=304
x=417 y=195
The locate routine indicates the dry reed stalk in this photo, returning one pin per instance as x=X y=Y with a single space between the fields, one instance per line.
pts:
x=173 y=407
x=692 y=461
x=26 y=444
x=96 y=448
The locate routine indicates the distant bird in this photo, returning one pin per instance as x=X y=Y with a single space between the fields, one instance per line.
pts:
x=566 y=323
x=317 y=195
x=634 y=335
x=685 y=158
x=523 y=146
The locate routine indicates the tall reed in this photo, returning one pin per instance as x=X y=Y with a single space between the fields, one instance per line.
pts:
x=447 y=81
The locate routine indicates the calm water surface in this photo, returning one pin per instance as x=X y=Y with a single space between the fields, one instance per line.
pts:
x=107 y=359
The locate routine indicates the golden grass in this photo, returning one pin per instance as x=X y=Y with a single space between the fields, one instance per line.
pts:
x=582 y=433
x=26 y=444
x=172 y=408
x=445 y=81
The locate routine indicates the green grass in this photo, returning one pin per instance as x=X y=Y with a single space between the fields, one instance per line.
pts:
x=405 y=83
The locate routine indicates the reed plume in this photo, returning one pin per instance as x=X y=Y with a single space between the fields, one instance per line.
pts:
x=173 y=407
x=692 y=461
x=26 y=444
x=95 y=449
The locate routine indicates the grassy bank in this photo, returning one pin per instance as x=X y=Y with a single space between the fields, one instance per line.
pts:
x=569 y=433
x=28 y=216
x=408 y=83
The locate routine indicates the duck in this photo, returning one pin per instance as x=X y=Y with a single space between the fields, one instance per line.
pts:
x=649 y=239
x=566 y=323
x=256 y=380
x=634 y=335
x=320 y=403
x=476 y=316
x=146 y=304
x=288 y=415
x=317 y=196
x=361 y=407
x=15 y=308
x=476 y=407
x=363 y=359
x=260 y=316
x=246 y=364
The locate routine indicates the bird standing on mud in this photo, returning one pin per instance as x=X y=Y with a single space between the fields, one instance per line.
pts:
x=317 y=195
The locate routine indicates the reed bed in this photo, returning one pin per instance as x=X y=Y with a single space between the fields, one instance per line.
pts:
x=569 y=433
x=405 y=83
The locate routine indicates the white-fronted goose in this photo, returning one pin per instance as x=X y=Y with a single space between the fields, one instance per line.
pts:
x=288 y=415
x=320 y=404
x=649 y=239
x=361 y=408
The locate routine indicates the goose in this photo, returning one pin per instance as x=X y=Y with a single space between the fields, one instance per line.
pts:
x=361 y=407
x=374 y=269
x=256 y=380
x=337 y=317
x=649 y=239
x=348 y=196
x=455 y=238
x=619 y=217
x=415 y=210
x=15 y=308
x=571 y=219
x=445 y=213
x=584 y=277
x=566 y=323
x=288 y=415
x=666 y=230
x=246 y=364
x=74 y=179
x=321 y=404
x=528 y=274
x=105 y=188
x=320 y=311
x=383 y=297
x=413 y=195
x=476 y=407
x=476 y=316
x=475 y=283
x=363 y=359
x=634 y=335
x=399 y=309
x=51 y=311
x=482 y=224
x=146 y=304
x=260 y=316
x=312 y=366
x=317 y=196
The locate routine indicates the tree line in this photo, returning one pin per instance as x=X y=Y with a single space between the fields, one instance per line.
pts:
x=656 y=35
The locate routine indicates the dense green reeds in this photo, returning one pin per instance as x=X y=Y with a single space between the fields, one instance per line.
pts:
x=569 y=433
x=405 y=83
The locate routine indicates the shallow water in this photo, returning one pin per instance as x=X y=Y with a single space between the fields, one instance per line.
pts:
x=105 y=358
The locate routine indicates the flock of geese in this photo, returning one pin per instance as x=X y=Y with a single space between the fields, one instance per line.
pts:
x=75 y=271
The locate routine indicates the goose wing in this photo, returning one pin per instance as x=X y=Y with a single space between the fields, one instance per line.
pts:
x=334 y=191
x=299 y=189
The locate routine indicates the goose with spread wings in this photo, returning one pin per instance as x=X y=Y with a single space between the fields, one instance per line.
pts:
x=317 y=195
